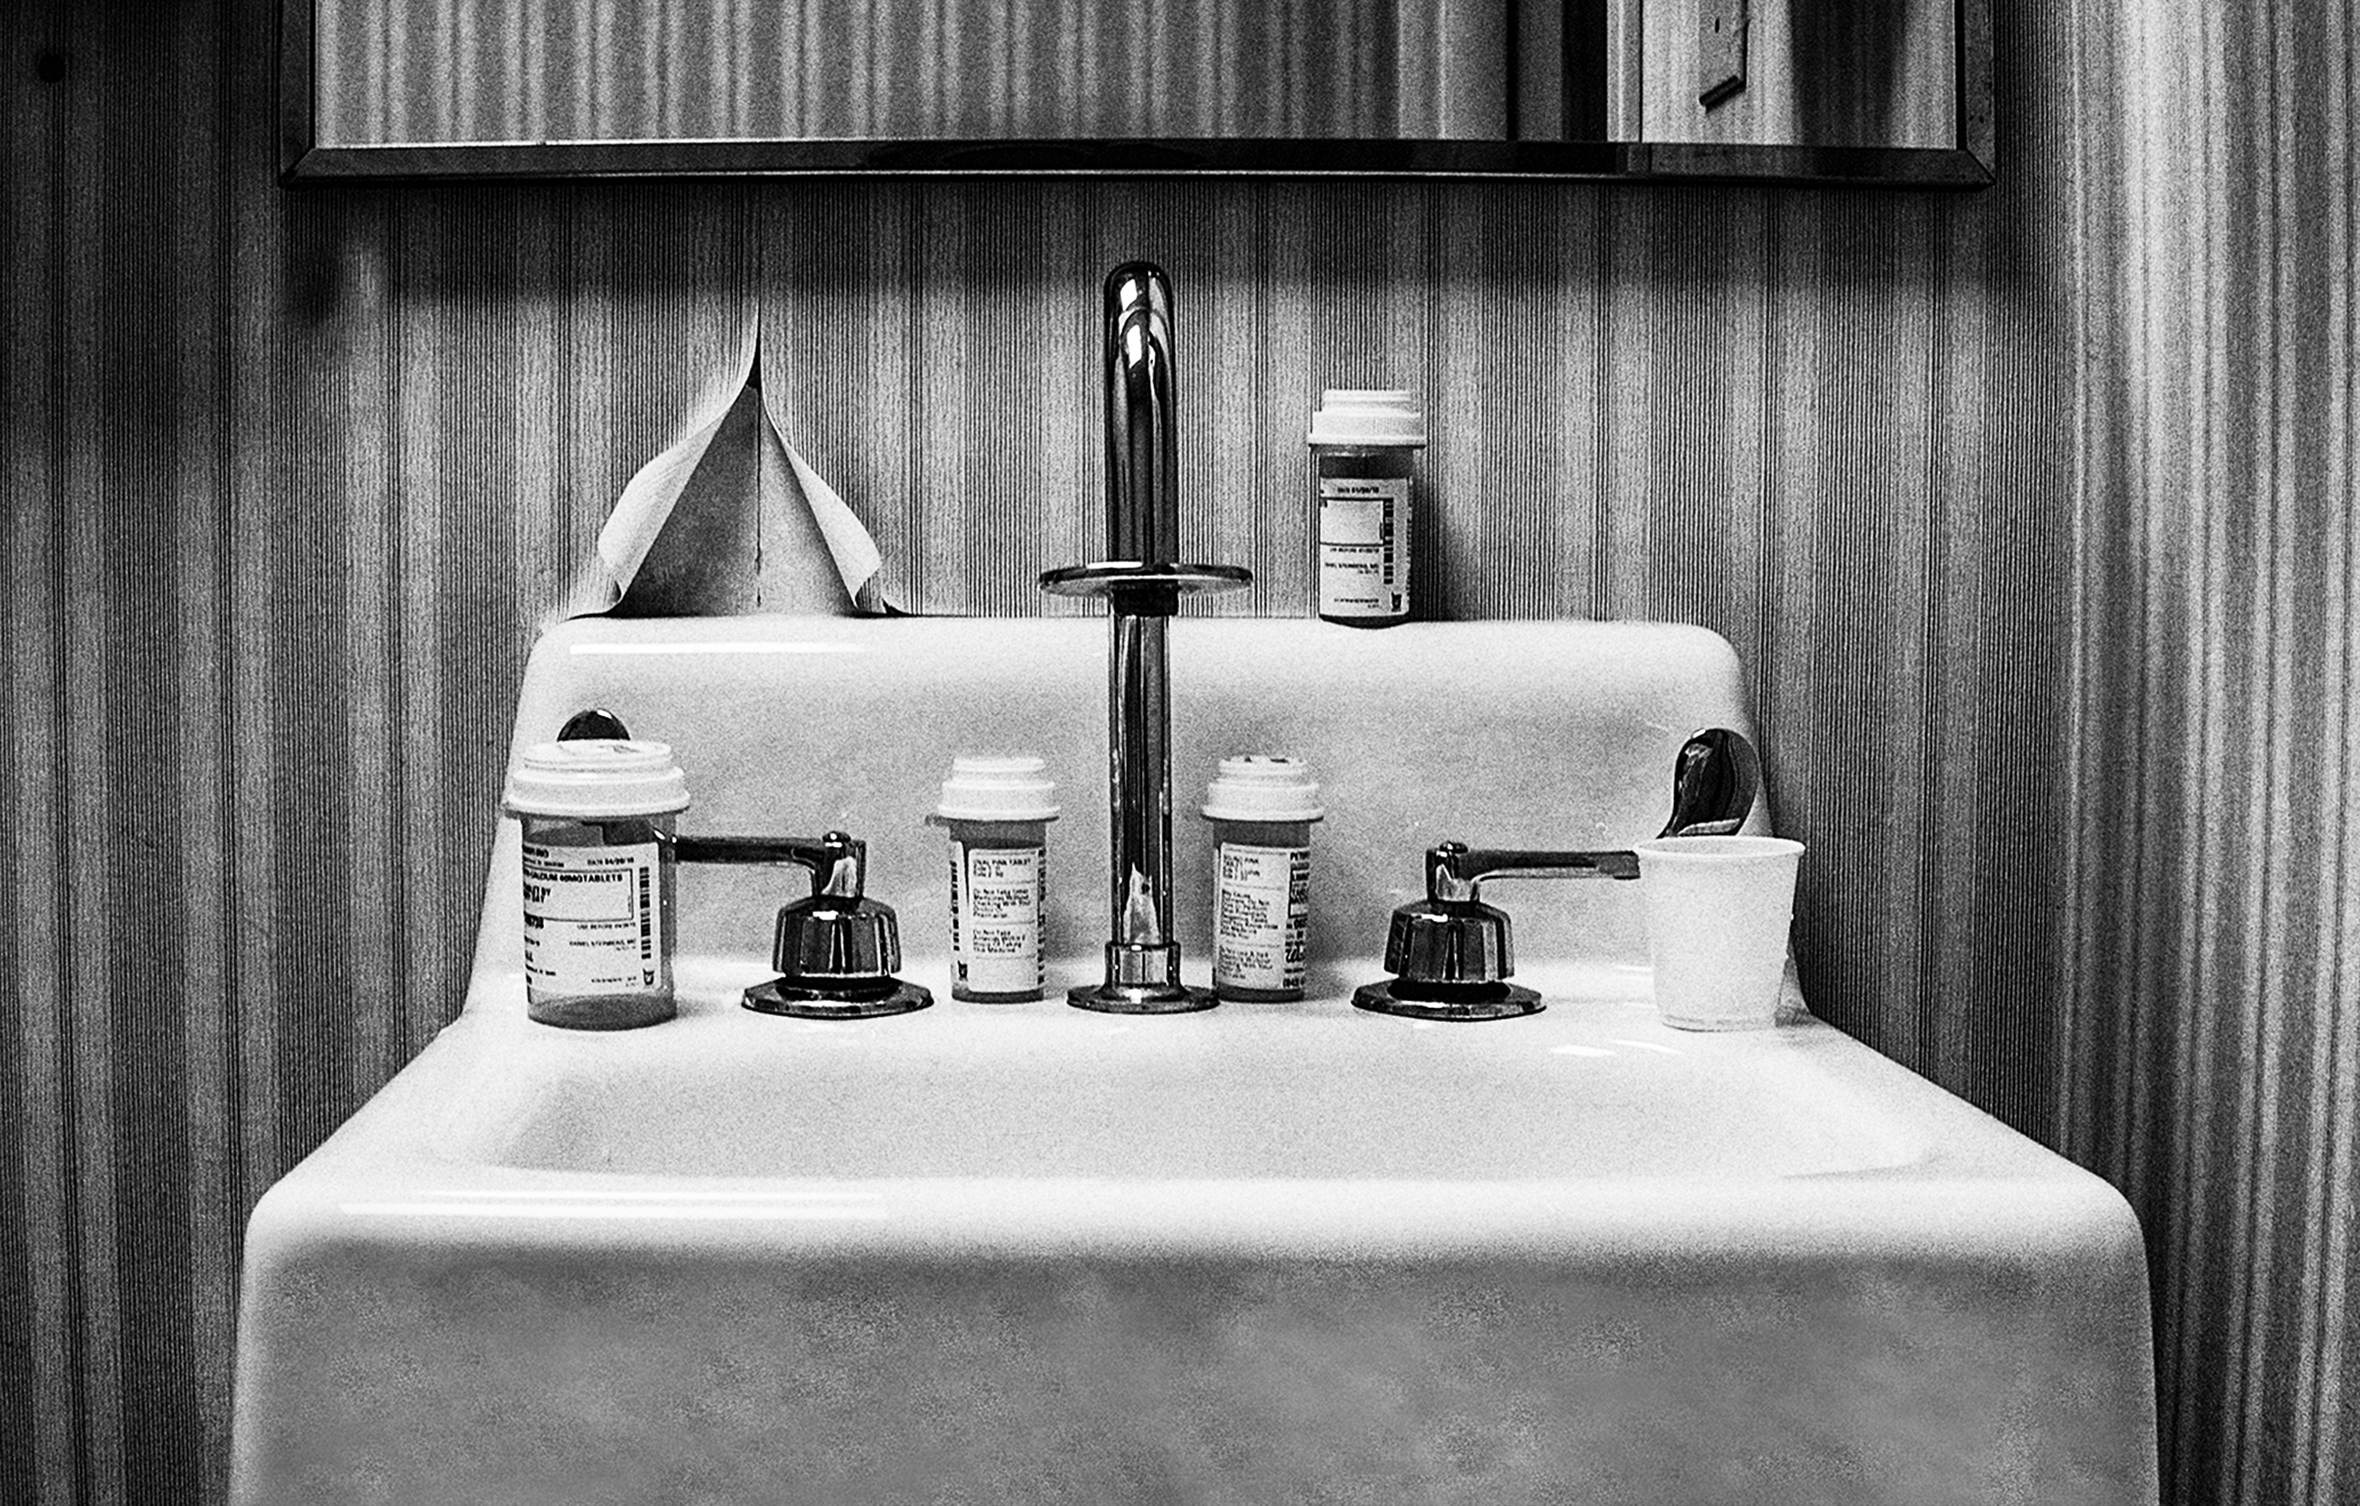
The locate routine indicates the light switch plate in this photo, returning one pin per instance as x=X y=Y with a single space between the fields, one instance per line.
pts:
x=1720 y=50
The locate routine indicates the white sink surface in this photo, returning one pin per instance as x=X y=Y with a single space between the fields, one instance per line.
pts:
x=1271 y=1093
x=1266 y=1253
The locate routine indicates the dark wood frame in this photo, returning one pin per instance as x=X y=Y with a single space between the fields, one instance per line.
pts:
x=1969 y=164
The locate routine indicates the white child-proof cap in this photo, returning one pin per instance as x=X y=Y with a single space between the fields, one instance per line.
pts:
x=1369 y=415
x=1013 y=788
x=596 y=777
x=1261 y=787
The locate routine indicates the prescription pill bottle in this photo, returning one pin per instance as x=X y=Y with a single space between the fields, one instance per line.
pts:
x=998 y=810
x=599 y=820
x=1262 y=809
x=1364 y=446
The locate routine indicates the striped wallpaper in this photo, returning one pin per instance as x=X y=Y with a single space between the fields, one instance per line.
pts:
x=2210 y=1058
x=2029 y=512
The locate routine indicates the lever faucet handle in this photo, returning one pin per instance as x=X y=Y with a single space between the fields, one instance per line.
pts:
x=1450 y=942
x=1451 y=954
x=838 y=861
x=835 y=951
x=835 y=935
x=1455 y=871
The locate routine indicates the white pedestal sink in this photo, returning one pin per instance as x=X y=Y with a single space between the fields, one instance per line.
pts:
x=1267 y=1253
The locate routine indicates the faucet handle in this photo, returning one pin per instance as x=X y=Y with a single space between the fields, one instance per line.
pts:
x=1454 y=870
x=1452 y=937
x=1450 y=954
x=838 y=861
x=1450 y=960
x=836 y=949
x=1450 y=942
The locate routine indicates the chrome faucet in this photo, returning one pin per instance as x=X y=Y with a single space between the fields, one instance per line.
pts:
x=1142 y=585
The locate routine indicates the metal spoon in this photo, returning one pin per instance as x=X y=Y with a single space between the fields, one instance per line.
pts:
x=1714 y=781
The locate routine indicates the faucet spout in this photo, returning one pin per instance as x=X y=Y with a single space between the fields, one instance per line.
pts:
x=1142 y=448
x=1142 y=584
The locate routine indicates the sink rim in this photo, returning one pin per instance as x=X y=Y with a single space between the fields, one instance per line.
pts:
x=407 y=1170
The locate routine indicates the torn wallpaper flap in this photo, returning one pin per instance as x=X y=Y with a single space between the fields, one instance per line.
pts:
x=732 y=518
x=857 y=557
x=705 y=559
x=799 y=568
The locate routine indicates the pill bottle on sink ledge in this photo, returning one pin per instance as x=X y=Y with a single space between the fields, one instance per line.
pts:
x=1262 y=809
x=599 y=818
x=1364 y=446
x=997 y=810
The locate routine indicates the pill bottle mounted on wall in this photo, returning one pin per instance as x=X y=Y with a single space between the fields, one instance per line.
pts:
x=1364 y=446
x=998 y=812
x=1261 y=809
x=599 y=816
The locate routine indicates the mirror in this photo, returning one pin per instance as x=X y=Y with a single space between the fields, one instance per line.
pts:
x=1876 y=91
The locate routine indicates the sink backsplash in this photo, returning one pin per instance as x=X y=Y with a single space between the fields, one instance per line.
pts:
x=1531 y=734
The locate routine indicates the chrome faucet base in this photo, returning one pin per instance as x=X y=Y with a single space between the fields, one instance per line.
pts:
x=887 y=996
x=1447 y=1001
x=1140 y=998
x=1142 y=977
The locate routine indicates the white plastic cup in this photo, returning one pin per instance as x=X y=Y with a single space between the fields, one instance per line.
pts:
x=1718 y=909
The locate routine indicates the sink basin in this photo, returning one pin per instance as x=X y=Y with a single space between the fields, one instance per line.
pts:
x=1275 y=1096
x=1266 y=1253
